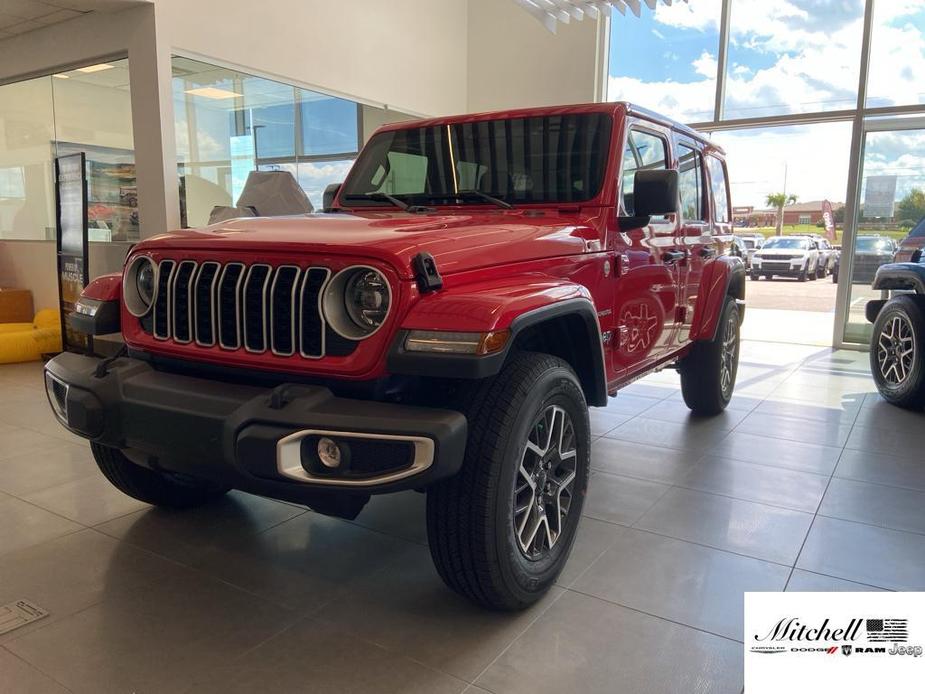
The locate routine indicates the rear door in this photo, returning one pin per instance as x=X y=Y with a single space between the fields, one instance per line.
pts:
x=695 y=235
x=646 y=296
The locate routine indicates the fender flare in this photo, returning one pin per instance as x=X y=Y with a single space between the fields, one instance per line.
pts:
x=454 y=366
x=901 y=276
x=724 y=277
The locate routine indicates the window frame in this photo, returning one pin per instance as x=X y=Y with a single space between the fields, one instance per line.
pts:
x=697 y=148
x=641 y=126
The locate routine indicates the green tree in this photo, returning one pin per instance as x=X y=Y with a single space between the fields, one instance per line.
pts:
x=912 y=206
x=778 y=201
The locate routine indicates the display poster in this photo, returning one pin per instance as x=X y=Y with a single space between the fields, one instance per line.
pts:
x=72 y=239
x=879 y=196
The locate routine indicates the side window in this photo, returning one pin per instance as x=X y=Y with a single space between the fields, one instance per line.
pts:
x=690 y=183
x=644 y=151
x=718 y=189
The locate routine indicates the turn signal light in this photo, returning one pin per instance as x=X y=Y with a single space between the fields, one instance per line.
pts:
x=445 y=342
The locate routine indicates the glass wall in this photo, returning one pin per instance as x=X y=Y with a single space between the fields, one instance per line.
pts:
x=229 y=123
x=83 y=110
x=897 y=54
x=809 y=162
x=666 y=59
x=892 y=201
x=776 y=83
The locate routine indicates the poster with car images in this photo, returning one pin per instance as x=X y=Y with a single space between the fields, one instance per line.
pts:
x=72 y=242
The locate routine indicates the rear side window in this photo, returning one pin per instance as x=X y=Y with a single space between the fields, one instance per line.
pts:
x=718 y=189
x=644 y=152
x=690 y=183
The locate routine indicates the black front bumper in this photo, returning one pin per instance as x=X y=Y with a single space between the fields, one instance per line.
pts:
x=228 y=433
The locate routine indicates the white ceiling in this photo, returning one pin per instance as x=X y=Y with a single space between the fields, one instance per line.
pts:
x=21 y=16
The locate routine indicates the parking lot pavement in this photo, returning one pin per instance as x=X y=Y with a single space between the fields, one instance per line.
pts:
x=787 y=293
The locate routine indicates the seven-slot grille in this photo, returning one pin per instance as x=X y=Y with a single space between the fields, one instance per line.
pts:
x=256 y=307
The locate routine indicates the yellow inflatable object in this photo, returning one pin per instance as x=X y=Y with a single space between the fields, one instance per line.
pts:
x=29 y=341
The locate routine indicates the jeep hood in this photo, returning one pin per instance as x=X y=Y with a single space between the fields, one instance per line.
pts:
x=458 y=240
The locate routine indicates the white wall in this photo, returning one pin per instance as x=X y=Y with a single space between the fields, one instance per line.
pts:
x=513 y=61
x=407 y=54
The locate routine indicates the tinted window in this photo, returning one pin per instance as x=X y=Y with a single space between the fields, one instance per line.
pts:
x=718 y=190
x=521 y=160
x=690 y=183
x=644 y=152
x=874 y=244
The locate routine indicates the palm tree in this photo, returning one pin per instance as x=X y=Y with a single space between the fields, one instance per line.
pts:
x=778 y=201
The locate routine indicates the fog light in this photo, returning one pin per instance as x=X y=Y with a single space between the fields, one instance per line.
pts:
x=329 y=453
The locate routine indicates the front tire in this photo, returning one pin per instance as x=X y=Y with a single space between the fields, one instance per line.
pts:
x=896 y=359
x=150 y=486
x=708 y=372
x=501 y=530
x=755 y=276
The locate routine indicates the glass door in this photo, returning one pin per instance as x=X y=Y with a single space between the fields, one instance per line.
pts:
x=891 y=202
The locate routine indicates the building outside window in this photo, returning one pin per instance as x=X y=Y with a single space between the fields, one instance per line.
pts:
x=781 y=96
x=229 y=123
x=87 y=109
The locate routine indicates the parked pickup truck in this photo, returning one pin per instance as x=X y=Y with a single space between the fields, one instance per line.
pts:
x=470 y=289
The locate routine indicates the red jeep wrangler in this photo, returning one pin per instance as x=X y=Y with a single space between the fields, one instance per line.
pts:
x=473 y=285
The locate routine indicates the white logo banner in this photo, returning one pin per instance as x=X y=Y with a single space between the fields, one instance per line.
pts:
x=828 y=642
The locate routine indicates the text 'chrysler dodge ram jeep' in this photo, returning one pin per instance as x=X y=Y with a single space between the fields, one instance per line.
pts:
x=470 y=289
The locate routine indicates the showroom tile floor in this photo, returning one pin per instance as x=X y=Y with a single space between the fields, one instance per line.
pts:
x=808 y=482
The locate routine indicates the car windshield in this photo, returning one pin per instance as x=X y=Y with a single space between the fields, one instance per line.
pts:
x=783 y=242
x=518 y=160
x=873 y=244
x=748 y=243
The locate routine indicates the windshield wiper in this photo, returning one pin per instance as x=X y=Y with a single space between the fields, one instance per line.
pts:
x=401 y=204
x=472 y=193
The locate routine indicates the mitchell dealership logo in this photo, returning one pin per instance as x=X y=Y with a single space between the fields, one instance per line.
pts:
x=791 y=629
x=793 y=636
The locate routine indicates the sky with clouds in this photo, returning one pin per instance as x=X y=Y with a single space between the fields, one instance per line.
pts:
x=785 y=56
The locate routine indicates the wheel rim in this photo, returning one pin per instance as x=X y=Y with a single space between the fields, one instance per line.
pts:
x=728 y=358
x=896 y=350
x=545 y=479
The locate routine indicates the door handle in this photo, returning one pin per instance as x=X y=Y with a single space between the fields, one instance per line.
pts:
x=673 y=256
x=707 y=252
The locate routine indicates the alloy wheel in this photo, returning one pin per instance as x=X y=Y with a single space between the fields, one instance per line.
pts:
x=896 y=350
x=543 y=489
x=728 y=356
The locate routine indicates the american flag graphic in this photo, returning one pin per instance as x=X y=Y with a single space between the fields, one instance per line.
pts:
x=887 y=630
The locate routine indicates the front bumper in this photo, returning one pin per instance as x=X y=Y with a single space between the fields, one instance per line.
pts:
x=249 y=437
x=777 y=268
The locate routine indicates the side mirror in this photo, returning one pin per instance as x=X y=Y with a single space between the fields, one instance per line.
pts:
x=327 y=198
x=655 y=193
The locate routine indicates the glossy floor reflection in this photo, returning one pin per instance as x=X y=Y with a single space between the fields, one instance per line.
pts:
x=808 y=482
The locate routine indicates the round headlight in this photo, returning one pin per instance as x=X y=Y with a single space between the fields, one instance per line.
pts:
x=144 y=282
x=357 y=302
x=140 y=286
x=366 y=298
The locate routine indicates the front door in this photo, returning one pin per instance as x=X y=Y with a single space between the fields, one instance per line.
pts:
x=647 y=265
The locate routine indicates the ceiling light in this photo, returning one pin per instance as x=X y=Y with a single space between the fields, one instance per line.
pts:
x=62 y=76
x=213 y=93
x=99 y=67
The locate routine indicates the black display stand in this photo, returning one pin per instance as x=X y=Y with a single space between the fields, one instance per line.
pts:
x=72 y=243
